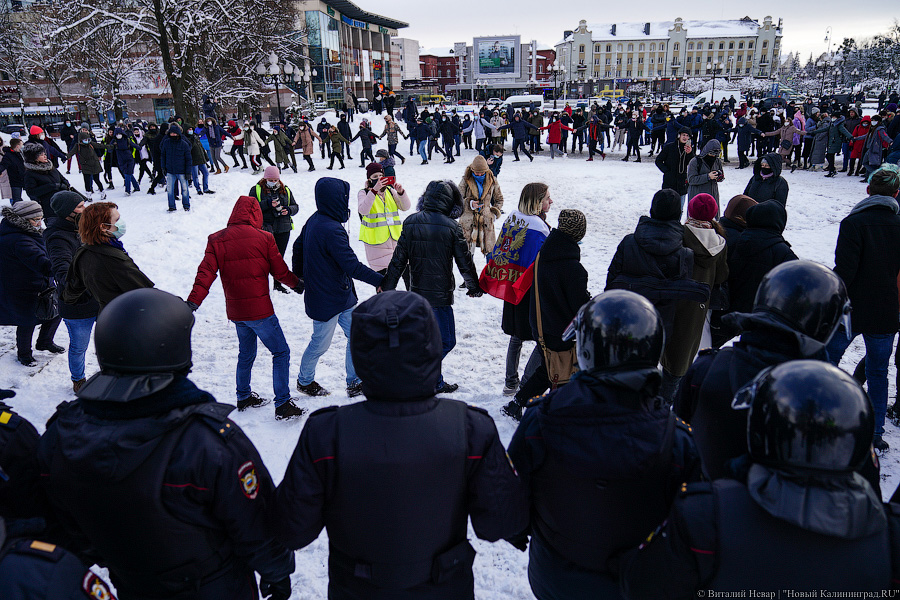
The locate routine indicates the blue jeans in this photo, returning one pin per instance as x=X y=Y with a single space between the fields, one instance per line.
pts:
x=205 y=144
x=16 y=194
x=171 y=178
x=130 y=181
x=323 y=332
x=447 y=325
x=269 y=332
x=878 y=355
x=196 y=170
x=79 y=340
x=423 y=149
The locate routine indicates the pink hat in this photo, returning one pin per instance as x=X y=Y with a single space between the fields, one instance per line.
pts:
x=35 y=130
x=703 y=207
x=272 y=173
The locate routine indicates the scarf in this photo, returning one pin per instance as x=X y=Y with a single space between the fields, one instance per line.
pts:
x=698 y=224
x=18 y=221
x=479 y=181
x=115 y=243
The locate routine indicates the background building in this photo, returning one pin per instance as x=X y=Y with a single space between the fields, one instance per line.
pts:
x=611 y=55
x=494 y=66
x=349 y=49
x=407 y=51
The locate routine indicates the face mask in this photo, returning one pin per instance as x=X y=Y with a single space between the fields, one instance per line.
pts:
x=765 y=171
x=85 y=141
x=271 y=184
x=41 y=136
x=190 y=132
x=497 y=155
x=119 y=136
x=68 y=124
x=120 y=229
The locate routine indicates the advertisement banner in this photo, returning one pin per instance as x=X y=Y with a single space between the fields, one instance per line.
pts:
x=497 y=57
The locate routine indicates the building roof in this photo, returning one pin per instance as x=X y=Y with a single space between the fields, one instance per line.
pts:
x=354 y=12
x=659 y=30
x=439 y=51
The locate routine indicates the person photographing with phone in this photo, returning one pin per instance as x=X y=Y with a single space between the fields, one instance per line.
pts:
x=706 y=171
x=379 y=206
x=278 y=207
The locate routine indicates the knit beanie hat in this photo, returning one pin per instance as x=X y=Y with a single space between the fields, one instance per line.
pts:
x=479 y=164
x=63 y=203
x=666 y=205
x=737 y=207
x=382 y=154
x=272 y=172
x=703 y=207
x=28 y=209
x=35 y=130
x=31 y=151
x=573 y=223
x=373 y=168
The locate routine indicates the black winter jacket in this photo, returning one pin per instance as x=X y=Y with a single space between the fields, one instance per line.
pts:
x=733 y=231
x=760 y=249
x=13 y=165
x=773 y=188
x=653 y=262
x=62 y=241
x=563 y=289
x=103 y=271
x=430 y=242
x=41 y=182
x=867 y=257
x=673 y=162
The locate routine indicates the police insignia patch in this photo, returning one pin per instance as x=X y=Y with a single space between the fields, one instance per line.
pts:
x=249 y=482
x=96 y=588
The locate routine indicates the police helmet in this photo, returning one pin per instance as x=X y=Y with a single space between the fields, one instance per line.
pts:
x=807 y=414
x=807 y=297
x=142 y=338
x=617 y=329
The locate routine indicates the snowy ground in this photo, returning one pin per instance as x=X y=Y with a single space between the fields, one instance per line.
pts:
x=613 y=195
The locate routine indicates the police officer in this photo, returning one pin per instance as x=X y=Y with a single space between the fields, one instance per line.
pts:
x=19 y=492
x=395 y=478
x=798 y=307
x=799 y=517
x=603 y=457
x=150 y=472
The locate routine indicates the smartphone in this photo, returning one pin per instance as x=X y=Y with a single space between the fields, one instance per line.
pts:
x=389 y=180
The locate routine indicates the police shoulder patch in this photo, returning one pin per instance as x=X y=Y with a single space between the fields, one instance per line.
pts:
x=9 y=420
x=536 y=400
x=695 y=488
x=683 y=425
x=96 y=588
x=248 y=479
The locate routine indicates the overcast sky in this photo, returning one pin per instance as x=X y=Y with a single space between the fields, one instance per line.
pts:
x=804 y=22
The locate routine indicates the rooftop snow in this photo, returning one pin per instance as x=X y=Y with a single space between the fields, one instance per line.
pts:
x=660 y=30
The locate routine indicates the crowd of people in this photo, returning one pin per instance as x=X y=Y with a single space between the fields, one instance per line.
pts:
x=659 y=461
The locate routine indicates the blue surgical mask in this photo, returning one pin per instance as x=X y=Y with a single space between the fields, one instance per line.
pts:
x=120 y=229
x=85 y=141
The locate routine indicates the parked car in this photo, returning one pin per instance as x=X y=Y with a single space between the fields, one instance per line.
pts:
x=14 y=128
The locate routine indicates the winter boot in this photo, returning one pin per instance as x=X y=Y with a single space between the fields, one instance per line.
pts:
x=446 y=388
x=354 y=390
x=879 y=444
x=251 y=401
x=313 y=389
x=76 y=385
x=289 y=410
x=50 y=347
x=512 y=410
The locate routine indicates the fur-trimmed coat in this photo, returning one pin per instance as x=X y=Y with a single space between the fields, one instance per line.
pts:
x=478 y=226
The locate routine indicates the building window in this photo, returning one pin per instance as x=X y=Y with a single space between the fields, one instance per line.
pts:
x=765 y=43
x=640 y=73
x=596 y=47
x=747 y=71
x=689 y=59
x=609 y=47
x=629 y=60
x=710 y=46
x=652 y=47
x=618 y=47
x=662 y=47
x=627 y=73
x=641 y=48
x=721 y=58
x=607 y=60
x=764 y=59
x=731 y=45
x=740 y=58
x=676 y=47
x=721 y=45
x=750 y=45
x=581 y=48
x=740 y=45
x=596 y=61
x=652 y=60
x=618 y=61
x=691 y=46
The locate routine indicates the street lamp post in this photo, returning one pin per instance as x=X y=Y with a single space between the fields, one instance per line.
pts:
x=556 y=69
x=836 y=73
x=715 y=69
x=276 y=73
x=22 y=108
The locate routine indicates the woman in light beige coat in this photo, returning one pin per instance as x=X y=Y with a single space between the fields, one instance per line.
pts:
x=480 y=209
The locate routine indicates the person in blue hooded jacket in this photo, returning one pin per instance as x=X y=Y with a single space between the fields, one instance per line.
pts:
x=125 y=153
x=324 y=260
x=175 y=158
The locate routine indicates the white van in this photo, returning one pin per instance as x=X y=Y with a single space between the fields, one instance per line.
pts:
x=721 y=96
x=523 y=101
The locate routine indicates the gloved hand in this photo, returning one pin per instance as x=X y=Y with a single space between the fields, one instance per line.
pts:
x=476 y=293
x=279 y=590
x=191 y=305
x=299 y=287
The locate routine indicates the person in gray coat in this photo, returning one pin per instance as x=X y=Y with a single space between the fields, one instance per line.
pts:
x=705 y=171
x=875 y=143
x=835 y=134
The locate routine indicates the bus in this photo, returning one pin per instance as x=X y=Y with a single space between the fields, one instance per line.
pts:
x=611 y=94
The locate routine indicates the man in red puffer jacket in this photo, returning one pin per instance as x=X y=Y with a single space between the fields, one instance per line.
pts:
x=246 y=255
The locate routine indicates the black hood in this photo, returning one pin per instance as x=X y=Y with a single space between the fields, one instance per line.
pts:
x=442 y=197
x=774 y=161
x=396 y=347
x=659 y=238
x=769 y=215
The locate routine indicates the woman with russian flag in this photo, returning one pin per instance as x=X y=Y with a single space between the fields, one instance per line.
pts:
x=508 y=276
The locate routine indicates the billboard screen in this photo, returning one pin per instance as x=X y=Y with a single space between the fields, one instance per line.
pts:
x=497 y=56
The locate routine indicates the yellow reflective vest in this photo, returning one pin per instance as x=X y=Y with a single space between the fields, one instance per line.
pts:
x=382 y=222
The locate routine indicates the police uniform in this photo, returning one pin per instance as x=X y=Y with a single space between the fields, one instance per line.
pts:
x=167 y=490
x=19 y=497
x=603 y=464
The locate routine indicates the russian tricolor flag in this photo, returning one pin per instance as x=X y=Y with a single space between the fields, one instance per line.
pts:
x=508 y=274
